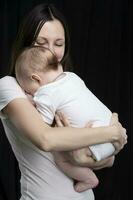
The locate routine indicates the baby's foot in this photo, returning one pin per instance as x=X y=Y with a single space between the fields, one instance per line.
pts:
x=82 y=186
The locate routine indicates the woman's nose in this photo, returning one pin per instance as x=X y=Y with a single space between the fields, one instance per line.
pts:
x=52 y=49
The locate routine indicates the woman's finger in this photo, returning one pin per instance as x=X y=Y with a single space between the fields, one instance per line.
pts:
x=114 y=119
x=89 y=125
x=58 y=121
x=64 y=120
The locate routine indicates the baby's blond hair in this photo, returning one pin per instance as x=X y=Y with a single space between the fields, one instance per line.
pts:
x=35 y=59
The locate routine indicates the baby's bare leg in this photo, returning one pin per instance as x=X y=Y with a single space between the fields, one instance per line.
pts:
x=85 y=176
x=87 y=181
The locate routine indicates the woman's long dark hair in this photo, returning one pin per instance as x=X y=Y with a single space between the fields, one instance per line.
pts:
x=30 y=28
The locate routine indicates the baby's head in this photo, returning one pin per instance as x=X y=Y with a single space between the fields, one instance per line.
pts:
x=32 y=67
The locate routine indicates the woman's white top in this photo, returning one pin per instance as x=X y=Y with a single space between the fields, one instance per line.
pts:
x=40 y=177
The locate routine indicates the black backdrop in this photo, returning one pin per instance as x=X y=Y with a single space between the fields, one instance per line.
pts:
x=101 y=37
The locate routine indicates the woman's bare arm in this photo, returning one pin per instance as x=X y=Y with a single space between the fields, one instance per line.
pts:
x=29 y=122
x=82 y=157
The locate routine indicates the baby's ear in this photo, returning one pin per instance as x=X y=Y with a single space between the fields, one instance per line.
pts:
x=36 y=77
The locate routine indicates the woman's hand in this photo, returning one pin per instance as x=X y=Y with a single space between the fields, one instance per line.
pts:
x=61 y=120
x=122 y=137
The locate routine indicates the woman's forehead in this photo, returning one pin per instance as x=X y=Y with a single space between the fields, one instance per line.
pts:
x=52 y=28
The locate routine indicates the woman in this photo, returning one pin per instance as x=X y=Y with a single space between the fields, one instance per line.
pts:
x=31 y=139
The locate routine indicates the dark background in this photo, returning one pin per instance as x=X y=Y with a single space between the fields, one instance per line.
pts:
x=101 y=38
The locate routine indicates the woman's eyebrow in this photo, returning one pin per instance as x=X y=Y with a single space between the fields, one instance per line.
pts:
x=60 y=39
x=42 y=37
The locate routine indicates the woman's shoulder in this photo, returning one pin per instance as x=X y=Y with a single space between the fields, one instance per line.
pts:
x=6 y=80
x=9 y=90
x=9 y=82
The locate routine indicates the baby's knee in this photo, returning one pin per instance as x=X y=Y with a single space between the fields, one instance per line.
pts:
x=94 y=182
x=93 y=179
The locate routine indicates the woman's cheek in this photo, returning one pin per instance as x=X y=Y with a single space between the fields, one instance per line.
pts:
x=60 y=55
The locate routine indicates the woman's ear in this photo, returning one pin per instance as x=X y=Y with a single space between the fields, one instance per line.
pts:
x=36 y=78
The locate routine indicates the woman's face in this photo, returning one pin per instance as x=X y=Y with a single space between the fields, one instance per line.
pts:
x=52 y=36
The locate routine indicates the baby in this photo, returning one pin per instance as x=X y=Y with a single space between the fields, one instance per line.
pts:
x=40 y=75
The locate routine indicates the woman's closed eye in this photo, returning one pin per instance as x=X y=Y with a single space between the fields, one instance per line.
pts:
x=41 y=41
x=59 y=42
x=59 y=45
